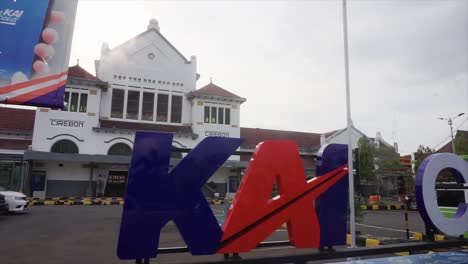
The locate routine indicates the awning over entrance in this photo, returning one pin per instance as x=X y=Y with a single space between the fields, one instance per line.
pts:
x=96 y=158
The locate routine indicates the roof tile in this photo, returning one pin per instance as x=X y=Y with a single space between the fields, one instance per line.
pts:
x=212 y=89
x=78 y=72
x=16 y=119
x=15 y=144
x=448 y=146
x=253 y=136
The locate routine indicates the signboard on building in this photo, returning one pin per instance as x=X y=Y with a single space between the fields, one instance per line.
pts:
x=35 y=51
x=66 y=123
x=216 y=134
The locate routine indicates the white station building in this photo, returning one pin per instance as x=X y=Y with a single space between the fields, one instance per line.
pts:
x=144 y=84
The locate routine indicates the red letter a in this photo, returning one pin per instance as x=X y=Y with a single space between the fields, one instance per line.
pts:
x=254 y=215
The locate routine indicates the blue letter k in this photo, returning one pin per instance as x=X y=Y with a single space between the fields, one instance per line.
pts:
x=154 y=196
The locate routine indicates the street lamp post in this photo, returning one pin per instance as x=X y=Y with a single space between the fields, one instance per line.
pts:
x=450 y=123
x=348 y=129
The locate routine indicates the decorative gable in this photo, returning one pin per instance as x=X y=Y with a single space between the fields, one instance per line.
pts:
x=147 y=58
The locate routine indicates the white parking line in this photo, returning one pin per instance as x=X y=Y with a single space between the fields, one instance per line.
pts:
x=384 y=228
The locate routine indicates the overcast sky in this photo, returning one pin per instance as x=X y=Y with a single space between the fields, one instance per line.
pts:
x=408 y=59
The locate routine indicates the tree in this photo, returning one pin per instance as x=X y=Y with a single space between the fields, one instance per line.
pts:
x=388 y=161
x=461 y=144
x=421 y=154
x=388 y=169
x=366 y=160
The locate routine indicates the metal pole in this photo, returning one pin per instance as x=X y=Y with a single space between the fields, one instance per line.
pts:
x=348 y=128
x=406 y=220
x=450 y=122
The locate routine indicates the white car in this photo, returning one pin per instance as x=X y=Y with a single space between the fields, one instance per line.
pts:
x=15 y=201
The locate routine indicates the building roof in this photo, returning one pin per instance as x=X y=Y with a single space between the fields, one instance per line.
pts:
x=157 y=32
x=447 y=148
x=78 y=72
x=334 y=133
x=330 y=133
x=213 y=89
x=15 y=144
x=146 y=127
x=253 y=136
x=16 y=119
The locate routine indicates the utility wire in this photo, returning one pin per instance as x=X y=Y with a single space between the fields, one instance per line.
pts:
x=443 y=141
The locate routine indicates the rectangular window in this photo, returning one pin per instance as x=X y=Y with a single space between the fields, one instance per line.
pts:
x=83 y=102
x=162 y=107
x=133 y=101
x=220 y=115
x=148 y=106
x=213 y=115
x=234 y=183
x=74 y=102
x=66 y=101
x=207 y=114
x=228 y=116
x=117 y=103
x=176 y=109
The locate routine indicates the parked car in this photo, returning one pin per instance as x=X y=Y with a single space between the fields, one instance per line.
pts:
x=3 y=205
x=16 y=201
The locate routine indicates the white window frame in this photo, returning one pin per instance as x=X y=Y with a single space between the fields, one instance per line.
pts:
x=79 y=92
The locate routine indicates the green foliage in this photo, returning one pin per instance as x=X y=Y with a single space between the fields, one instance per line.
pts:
x=461 y=144
x=358 y=212
x=421 y=154
x=387 y=161
x=366 y=160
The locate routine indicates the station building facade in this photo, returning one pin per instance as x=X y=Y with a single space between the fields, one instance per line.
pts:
x=145 y=84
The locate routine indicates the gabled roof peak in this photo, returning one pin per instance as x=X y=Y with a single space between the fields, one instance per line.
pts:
x=153 y=27
x=78 y=72
x=214 y=90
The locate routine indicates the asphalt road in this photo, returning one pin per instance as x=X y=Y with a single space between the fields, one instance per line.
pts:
x=88 y=234
x=389 y=224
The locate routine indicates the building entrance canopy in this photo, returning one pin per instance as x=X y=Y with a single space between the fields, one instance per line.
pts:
x=96 y=158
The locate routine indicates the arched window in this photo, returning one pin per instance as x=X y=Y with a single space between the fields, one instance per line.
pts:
x=176 y=155
x=64 y=146
x=120 y=149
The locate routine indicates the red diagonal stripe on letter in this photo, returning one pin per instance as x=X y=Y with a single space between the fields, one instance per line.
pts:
x=254 y=215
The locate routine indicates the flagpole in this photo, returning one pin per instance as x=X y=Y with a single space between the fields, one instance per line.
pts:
x=348 y=128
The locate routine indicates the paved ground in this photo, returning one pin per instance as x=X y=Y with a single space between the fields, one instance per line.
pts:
x=389 y=224
x=88 y=234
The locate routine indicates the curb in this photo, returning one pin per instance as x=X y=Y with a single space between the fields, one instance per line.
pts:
x=437 y=237
x=31 y=199
x=382 y=207
x=75 y=201
x=216 y=201
x=92 y=201
x=363 y=241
